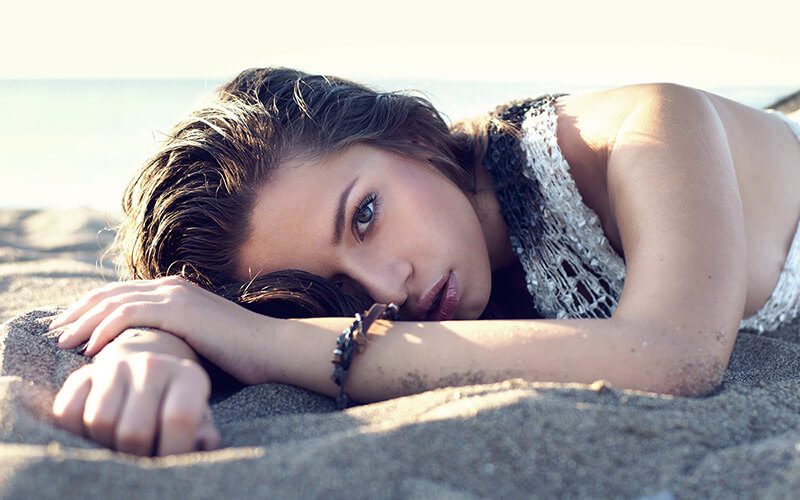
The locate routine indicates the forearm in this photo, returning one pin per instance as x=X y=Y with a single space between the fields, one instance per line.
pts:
x=660 y=353
x=409 y=357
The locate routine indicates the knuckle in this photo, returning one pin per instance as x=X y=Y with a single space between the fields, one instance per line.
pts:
x=173 y=281
x=181 y=418
x=113 y=369
x=201 y=383
x=81 y=374
x=104 y=290
x=174 y=294
x=109 y=286
x=135 y=440
x=67 y=405
x=147 y=361
x=63 y=411
x=95 y=295
x=126 y=310
x=98 y=421
x=113 y=301
x=194 y=372
x=192 y=369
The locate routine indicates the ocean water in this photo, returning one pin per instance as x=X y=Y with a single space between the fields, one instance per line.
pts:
x=68 y=143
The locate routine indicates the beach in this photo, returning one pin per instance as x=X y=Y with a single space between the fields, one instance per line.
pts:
x=513 y=439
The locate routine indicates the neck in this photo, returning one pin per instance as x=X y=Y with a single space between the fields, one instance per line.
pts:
x=495 y=230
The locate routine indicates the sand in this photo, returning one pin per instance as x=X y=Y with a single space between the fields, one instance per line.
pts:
x=509 y=440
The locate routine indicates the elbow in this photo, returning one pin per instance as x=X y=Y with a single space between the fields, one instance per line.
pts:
x=689 y=365
x=692 y=374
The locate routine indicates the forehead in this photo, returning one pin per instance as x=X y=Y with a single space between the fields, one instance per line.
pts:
x=292 y=221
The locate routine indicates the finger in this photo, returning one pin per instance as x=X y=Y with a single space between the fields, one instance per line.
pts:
x=81 y=329
x=185 y=405
x=208 y=437
x=70 y=401
x=147 y=313
x=104 y=403
x=138 y=425
x=92 y=298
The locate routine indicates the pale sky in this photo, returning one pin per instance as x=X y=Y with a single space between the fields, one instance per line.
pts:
x=696 y=42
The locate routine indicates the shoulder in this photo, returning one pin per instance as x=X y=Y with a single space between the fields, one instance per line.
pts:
x=591 y=126
x=672 y=190
x=630 y=95
x=594 y=120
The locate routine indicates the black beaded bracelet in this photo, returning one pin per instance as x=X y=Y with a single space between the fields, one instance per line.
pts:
x=352 y=341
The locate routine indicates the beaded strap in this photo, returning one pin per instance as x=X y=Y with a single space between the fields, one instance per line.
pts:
x=352 y=341
x=571 y=269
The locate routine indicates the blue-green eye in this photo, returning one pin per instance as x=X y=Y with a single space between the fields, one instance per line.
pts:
x=364 y=216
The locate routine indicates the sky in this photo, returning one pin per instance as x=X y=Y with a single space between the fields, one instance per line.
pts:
x=76 y=143
x=696 y=42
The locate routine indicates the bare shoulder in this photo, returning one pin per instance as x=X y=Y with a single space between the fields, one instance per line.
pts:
x=671 y=200
x=598 y=116
x=589 y=126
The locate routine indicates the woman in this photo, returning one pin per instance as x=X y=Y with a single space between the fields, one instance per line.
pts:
x=526 y=214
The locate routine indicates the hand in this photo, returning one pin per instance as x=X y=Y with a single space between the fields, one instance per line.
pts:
x=220 y=330
x=142 y=403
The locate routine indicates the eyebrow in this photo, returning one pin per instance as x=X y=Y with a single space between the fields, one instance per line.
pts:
x=340 y=209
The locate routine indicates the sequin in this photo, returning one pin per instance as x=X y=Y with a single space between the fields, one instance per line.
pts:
x=559 y=240
x=563 y=248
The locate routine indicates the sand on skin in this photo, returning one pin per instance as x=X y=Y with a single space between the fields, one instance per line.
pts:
x=512 y=439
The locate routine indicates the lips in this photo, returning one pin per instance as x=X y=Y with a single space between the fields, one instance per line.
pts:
x=437 y=300
x=441 y=302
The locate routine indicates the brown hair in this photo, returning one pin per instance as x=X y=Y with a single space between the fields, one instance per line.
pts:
x=186 y=211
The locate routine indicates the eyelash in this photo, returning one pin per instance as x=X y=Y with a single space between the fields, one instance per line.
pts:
x=365 y=202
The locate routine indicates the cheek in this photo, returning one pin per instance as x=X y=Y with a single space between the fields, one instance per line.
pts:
x=437 y=210
x=437 y=196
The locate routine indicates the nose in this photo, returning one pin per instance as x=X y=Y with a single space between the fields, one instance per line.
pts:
x=384 y=280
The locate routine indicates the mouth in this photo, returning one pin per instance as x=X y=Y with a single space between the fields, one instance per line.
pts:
x=443 y=305
x=437 y=300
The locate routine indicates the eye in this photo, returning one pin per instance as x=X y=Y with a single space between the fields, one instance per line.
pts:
x=363 y=218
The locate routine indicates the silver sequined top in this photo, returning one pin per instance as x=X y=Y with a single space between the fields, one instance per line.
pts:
x=571 y=269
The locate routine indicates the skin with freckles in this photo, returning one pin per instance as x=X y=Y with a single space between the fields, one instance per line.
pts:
x=404 y=227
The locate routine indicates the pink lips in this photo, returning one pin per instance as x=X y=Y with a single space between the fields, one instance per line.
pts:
x=447 y=287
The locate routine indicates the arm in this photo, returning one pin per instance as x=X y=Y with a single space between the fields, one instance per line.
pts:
x=137 y=340
x=144 y=393
x=673 y=198
x=406 y=357
x=403 y=357
x=661 y=152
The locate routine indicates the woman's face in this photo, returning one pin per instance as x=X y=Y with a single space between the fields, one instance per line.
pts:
x=377 y=223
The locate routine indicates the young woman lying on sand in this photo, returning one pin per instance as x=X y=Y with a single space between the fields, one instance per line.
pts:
x=541 y=210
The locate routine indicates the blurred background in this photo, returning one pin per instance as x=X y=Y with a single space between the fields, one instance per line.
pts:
x=87 y=88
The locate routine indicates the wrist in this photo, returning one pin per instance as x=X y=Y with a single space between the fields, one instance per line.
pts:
x=252 y=351
x=277 y=358
x=136 y=340
x=301 y=353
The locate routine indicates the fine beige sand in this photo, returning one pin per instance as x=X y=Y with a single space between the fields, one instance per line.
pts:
x=509 y=440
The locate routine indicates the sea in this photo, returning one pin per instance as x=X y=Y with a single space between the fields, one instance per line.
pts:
x=73 y=143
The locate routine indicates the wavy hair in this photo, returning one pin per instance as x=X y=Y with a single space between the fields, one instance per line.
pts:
x=186 y=211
